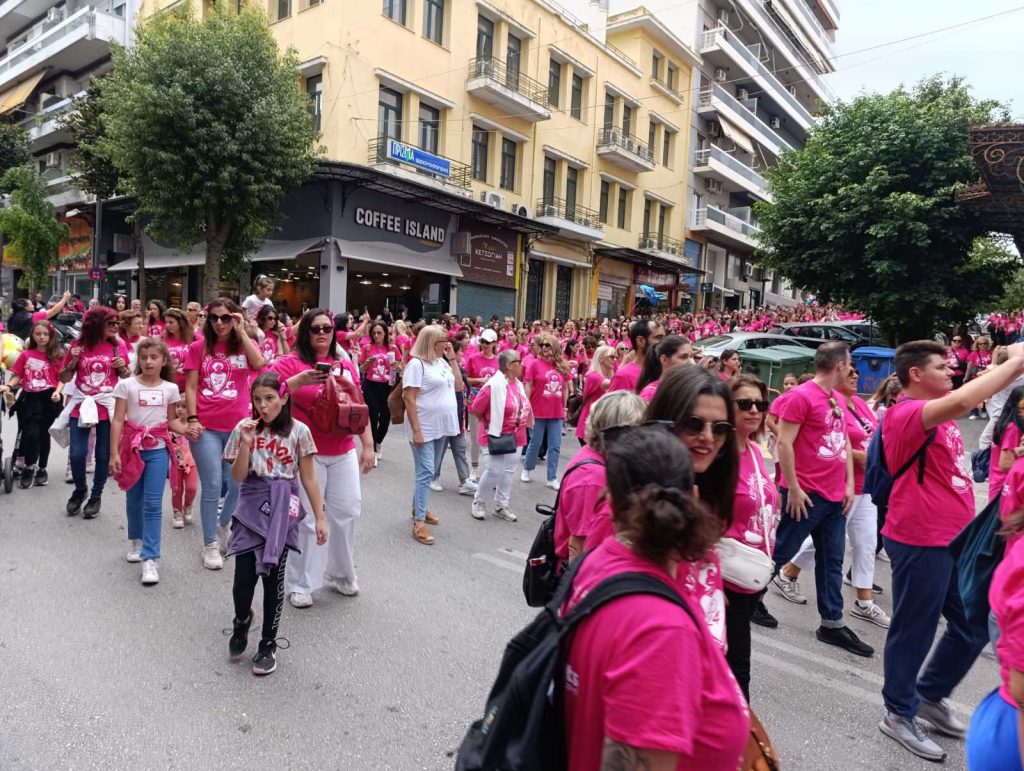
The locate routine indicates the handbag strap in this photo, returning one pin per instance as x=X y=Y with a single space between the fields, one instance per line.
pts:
x=759 y=496
x=568 y=473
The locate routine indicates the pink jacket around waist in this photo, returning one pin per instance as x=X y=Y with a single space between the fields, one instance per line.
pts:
x=134 y=439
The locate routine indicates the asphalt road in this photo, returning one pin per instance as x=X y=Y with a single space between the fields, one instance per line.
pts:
x=97 y=671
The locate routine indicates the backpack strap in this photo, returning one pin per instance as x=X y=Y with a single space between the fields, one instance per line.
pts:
x=919 y=456
x=623 y=585
x=568 y=473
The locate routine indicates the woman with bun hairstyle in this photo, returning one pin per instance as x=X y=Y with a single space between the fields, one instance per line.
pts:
x=671 y=351
x=643 y=649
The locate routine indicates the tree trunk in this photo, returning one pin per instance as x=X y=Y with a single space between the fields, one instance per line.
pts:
x=140 y=258
x=216 y=237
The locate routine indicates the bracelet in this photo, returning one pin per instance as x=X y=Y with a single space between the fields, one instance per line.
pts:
x=192 y=419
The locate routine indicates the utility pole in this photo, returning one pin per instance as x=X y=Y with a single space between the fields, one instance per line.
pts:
x=97 y=231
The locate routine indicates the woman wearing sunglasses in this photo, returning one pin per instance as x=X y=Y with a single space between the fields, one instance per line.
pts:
x=547 y=386
x=218 y=371
x=274 y=344
x=670 y=352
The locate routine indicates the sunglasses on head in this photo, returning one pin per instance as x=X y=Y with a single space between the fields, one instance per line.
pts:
x=836 y=412
x=223 y=318
x=321 y=329
x=693 y=425
x=746 y=404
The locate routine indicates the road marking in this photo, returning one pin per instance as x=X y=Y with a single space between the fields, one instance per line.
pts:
x=499 y=562
x=517 y=554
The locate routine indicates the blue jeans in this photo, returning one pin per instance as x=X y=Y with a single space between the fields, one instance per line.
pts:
x=992 y=742
x=924 y=585
x=80 y=448
x=424 y=457
x=144 y=504
x=457 y=444
x=552 y=429
x=214 y=472
x=826 y=525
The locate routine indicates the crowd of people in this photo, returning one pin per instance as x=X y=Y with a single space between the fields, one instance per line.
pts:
x=688 y=470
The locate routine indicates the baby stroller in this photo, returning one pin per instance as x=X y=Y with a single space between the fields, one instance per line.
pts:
x=10 y=349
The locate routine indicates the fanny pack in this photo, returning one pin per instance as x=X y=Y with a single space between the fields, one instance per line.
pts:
x=743 y=565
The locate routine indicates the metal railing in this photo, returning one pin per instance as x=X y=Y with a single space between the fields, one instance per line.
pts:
x=658 y=242
x=744 y=112
x=702 y=216
x=459 y=174
x=584 y=29
x=52 y=31
x=816 y=25
x=616 y=137
x=559 y=208
x=703 y=157
x=498 y=71
x=670 y=88
x=722 y=37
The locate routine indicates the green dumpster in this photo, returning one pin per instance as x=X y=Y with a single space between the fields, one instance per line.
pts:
x=773 y=364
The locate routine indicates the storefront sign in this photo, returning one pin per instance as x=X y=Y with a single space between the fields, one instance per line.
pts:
x=655 y=277
x=492 y=255
x=373 y=216
x=421 y=159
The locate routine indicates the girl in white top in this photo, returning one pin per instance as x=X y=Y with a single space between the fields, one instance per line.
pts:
x=262 y=288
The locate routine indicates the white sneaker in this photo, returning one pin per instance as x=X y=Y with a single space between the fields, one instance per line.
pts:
x=789 y=589
x=149 y=573
x=134 y=550
x=188 y=514
x=178 y=520
x=479 y=511
x=468 y=487
x=435 y=486
x=525 y=476
x=300 y=600
x=90 y=466
x=223 y=533
x=872 y=613
x=882 y=556
x=505 y=514
x=376 y=460
x=67 y=475
x=552 y=483
x=344 y=586
x=211 y=556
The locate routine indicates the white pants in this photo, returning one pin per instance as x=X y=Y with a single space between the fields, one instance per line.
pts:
x=862 y=530
x=472 y=432
x=497 y=476
x=338 y=476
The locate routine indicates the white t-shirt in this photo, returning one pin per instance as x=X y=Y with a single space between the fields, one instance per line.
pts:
x=273 y=456
x=252 y=305
x=436 y=406
x=147 y=405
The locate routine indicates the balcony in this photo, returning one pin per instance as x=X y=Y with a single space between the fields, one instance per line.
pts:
x=668 y=89
x=624 y=149
x=735 y=176
x=725 y=228
x=61 y=192
x=21 y=14
x=722 y=48
x=491 y=81
x=44 y=129
x=717 y=100
x=812 y=27
x=661 y=245
x=572 y=220
x=403 y=160
x=68 y=45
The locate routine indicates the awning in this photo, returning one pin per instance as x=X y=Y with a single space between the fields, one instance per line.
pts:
x=431 y=262
x=157 y=256
x=719 y=289
x=548 y=257
x=15 y=97
x=737 y=136
x=637 y=257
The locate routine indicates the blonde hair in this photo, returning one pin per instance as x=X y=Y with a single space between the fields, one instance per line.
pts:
x=1000 y=355
x=602 y=353
x=423 y=348
x=401 y=329
x=616 y=408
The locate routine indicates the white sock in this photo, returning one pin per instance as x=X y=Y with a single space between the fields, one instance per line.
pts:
x=865 y=604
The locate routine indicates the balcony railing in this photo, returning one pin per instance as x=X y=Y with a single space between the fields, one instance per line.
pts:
x=703 y=158
x=722 y=37
x=815 y=24
x=52 y=32
x=458 y=173
x=498 y=71
x=616 y=137
x=670 y=88
x=559 y=208
x=713 y=214
x=661 y=243
x=743 y=112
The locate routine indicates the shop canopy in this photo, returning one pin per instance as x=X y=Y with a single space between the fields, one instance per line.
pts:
x=637 y=257
x=157 y=256
x=15 y=96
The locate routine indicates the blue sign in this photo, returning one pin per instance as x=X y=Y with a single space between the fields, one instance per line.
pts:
x=404 y=153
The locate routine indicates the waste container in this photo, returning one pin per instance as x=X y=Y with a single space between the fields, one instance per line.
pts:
x=873 y=365
x=773 y=364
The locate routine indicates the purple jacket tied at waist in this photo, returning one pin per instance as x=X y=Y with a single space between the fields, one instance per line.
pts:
x=266 y=520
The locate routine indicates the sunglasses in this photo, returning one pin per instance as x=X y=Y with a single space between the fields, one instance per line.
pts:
x=612 y=433
x=201 y=315
x=545 y=345
x=957 y=339
x=321 y=329
x=836 y=412
x=746 y=404
x=113 y=323
x=223 y=318
x=693 y=425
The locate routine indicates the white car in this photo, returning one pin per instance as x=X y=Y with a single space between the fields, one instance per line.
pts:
x=742 y=341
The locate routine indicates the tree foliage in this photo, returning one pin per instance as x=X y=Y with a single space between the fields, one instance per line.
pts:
x=90 y=161
x=30 y=225
x=14 y=148
x=208 y=128
x=865 y=215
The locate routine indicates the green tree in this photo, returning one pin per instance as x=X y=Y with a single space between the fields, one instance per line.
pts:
x=208 y=128
x=14 y=147
x=30 y=226
x=90 y=161
x=864 y=214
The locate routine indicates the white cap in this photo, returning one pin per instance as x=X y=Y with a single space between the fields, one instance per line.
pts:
x=489 y=336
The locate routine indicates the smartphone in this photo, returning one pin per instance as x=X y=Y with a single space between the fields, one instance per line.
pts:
x=323 y=367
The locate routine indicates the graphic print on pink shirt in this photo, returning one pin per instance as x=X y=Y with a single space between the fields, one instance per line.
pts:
x=379 y=368
x=35 y=370
x=819 y=449
x=546 y=394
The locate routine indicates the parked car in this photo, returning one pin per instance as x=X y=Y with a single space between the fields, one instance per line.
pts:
x=742 y=341
x=813 y=335
x=865 y=329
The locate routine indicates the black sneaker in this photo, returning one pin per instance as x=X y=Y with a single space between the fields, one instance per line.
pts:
x=239 y=636
x=25 y=480
x=762 y=617
x=875 y=588
x=75 y=502
x=844 y=638
x=265 y=661
x=41 y=478
x=92 y=508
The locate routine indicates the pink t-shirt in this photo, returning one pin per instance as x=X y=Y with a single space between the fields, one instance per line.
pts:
x=1013 y=494
x=270 y=347
x=642 y=673
x=819 y=449
x=516 y=417
x=95 y=373
x=547 y=385
x=592 y=391
x=648 y=391
x=222 y=395
x=37 y=372
x=578 y=498
x=755 y=506
x=156 y=329
x=1007 y=601
x=1009 y=441
x=479 y=366
x=626 y=378
x=379 y=368
x=178 y=350
x=860 y=424
x=302 y=400
x=931 y=513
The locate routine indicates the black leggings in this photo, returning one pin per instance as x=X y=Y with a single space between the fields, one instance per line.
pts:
x=376 y=395
x=738 y=612
x=244 y=590
x=36 y=413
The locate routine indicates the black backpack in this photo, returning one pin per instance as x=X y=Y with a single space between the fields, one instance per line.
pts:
x=540 y=579
x=523 y=727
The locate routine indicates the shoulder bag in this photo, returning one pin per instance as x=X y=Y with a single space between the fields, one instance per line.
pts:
x=505 y=444
x=743 y=565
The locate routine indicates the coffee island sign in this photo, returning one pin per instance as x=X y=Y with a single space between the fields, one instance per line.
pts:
x=395 y=224
x=375 y=217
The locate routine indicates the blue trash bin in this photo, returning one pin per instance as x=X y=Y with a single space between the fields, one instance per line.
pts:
x=873 y=365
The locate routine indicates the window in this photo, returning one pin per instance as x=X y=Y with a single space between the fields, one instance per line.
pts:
x=572 y=176
x=603 y=210
x=395 y=10
x=481 y=146
x=484 y=37
x=513 y=57
x=656 y=60
x=662 y=220
x=549 y=179
x=509 y=153
x=623 y=206
x=430 y=128
x=314 y=90
x=647 y=215
x=627 y=119
x=609 y=109
x=576 y=97
x=672 y=76
x=389 y=114
x=554 y=82
x=433 y=20
x=666 y=148
x=284 y=9
x=652 y=135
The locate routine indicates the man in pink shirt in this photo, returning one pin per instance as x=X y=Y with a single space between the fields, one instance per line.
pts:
x=643 y=335
x=928 y=506
x=818 y=488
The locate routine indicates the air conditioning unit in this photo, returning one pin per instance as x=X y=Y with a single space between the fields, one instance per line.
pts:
x=520 y=210
x=493 y=198
x=792 y=90
x=584 y=221
x=775 y=122
x=649 y=243
x=630 y=144
x=52 y=160
x=713 y=185
x=723 y=16
x=742 y=94
x=672 y=249
x=721 y=75
x=714 y=128
x=54 y=14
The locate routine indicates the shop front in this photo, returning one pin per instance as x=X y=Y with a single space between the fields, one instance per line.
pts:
x=558 y=275
x=487 y=257
x=677 y=279
x=614 y=286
